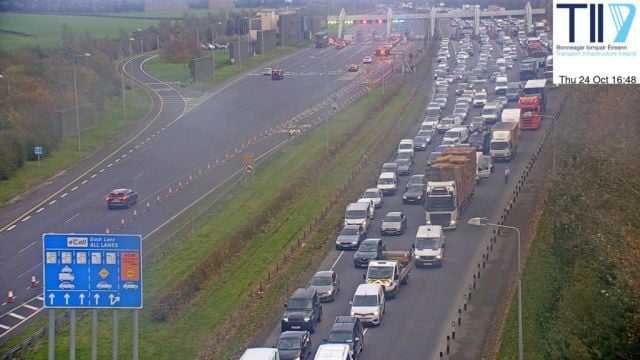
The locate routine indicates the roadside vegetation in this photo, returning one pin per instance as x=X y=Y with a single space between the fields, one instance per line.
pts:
x=581 y=284
x=220 y=265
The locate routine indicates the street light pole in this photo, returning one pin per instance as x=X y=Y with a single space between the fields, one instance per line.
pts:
x=75 y=89
x=482 y=221
x=131 y=66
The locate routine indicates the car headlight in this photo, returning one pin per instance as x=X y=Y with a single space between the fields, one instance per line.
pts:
x=404 y=197
x=453 y=222
x=417 y=257
x=285 y=319
x=376 y=313
x=439 y=256
x=306 y=319
x=329 y=292
x=353 y=313
x=419 y=197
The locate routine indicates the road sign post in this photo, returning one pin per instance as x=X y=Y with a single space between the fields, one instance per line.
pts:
x=38 y=150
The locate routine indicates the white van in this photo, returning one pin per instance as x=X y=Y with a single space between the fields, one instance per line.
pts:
x=460 y=133
x=485 y=165
x=260 y=354
x=368 y=303
x=428 y=125
x=333 y=352
x=429 y=245
x=502 y=83
x=406 y=146
x=358 y=213
x=388 y=183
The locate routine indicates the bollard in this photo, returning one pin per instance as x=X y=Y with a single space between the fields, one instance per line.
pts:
x=464 y=306
x=459 y=317
x=474 y=281
x=453 y=330
x=441 y=355
x=483 y=264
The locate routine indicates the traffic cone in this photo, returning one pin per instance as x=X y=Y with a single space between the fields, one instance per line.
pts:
x=10 y=297
x=107 y=231
x=209 y=166
x=148 y=207
x=405 y=258
x=135 y=214
x=226 y=156
x=180 y=185
x=190 y=179
x=123 y=223
x=158 y=199
x=199 y=172
x=170 y=193
x=34 y=281
x=217 y=162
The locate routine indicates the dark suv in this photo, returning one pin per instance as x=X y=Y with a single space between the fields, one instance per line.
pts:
x=347 y=330
x=302 y=311
x=121 y=198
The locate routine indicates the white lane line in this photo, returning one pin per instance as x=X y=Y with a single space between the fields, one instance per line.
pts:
x=147 y=139
x=74 y=188
x=53 y=202
x=63 y=195
x=5 y=327
x=31 y=307
x=39 y=210
x=28 y=271
x=365 y=331
x=137 y=176
x=25 y=219
x=117 y=160
x=124 y=156
x=71 y=218
x=40 y=298
x=19 y=317
x=110 y=165
x=154 y=135
x=28 y=246
x=136 y=147
x=338 y=259
x=84 y=182
x=101 y=170
x=164 y=128
x=130 y=151
x=94 y=175
x=11 y=227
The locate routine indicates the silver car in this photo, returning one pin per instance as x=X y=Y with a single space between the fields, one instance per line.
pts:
x=394 y=223
x=326 y=283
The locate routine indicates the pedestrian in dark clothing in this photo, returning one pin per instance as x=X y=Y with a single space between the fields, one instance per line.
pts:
x=507 y=171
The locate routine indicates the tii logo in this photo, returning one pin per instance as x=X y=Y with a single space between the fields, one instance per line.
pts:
x=622 y=16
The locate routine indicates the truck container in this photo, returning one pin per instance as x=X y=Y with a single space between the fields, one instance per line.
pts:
x=530 y=111
x=391 y=271
x=451 y=181
x=504 y=141
x=510 y=115
x=536 y=87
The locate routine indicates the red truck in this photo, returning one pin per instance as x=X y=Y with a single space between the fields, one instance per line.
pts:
x=530 y=111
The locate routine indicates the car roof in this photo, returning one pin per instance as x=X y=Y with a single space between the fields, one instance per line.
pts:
x=371 y=240
x=345 y=319
x=352 y=226
x=396 y=213
x=347 y=326
x=324 y=273
x=292 y=334
x=368 y=289
x=304 y=293
x=121 y=191
x=373 y=189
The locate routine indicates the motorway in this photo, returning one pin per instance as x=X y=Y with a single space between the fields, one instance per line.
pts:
x=415 y=324
x=188 y=147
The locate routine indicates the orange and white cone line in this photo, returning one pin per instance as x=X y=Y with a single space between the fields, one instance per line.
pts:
x=10 y=296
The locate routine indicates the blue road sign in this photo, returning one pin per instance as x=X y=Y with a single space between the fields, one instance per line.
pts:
x=92 y=271
x=38 y=150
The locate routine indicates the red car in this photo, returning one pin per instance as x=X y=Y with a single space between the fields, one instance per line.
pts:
x=353 y=67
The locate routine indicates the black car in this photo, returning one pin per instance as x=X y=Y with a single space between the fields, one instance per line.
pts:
x=390 y=167
x=370 y=249
x=350 y=237
x=347 y=330
x=420 y=143
x=294 y=345
x=415 y=194
x=480 y=140
x=302 y=311
x=432 y=158
x=404 y=166
x=121 y=198
x=416 y=179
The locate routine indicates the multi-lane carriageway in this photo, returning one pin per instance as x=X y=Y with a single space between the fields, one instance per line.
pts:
x=187 y=147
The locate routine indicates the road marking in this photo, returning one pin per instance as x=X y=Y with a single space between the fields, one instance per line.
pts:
x=117 y=160
x=101 y=170
x=94 y=175
x=84 y=182
x=74 y=188
x=338 y=259
x=28 y=271
x=11 y=227
x=110 y=165
x=40 y=298
x=26 y=247
x=19 y=317
x=154 y=135
x=147 y=139
x=25 y=219
x=137 y=146
x=31 y=307
x=123 y=156
x=130 y=151
x=4 y=327
x=71 y=218
x=364 y=331
x=63 y=195
x=53 y=202
x=39 y=210
x=137 y=176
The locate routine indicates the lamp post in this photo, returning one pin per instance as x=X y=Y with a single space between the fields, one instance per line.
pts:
x=8 y=84
x=75 y=88
x=131 y=40
x=141 y=44
x=482 y=221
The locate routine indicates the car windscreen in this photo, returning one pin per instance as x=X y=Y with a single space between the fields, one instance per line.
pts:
x=379 y=272
x=489 y=111
x=427 y=243
x=385 y=181
x=340 y=337
x=349 y=231
x=416 y=187
x=299 y=304
x=371 y=195
x=365 y=300
x=368 y=247
x=321 y=280
x=356 y=214
x=499 y=145
x=392 y=218
x=288 y=344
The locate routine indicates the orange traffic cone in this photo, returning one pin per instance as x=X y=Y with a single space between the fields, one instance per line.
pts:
x=123 y=223
x=34 y=281
x=107 y=231
x=135 y=214
x=10 y=297
x=170 y=193
x=190 y=179
x=180 y=185
x=158 y=199
x=405 y=258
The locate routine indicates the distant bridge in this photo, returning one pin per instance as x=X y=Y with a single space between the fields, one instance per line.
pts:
x=431 y=17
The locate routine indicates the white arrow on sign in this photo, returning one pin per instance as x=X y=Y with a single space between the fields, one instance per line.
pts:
x=96 y=297
x=51 y=297
x=66 y=298
x=81 y=299
x=113 y=299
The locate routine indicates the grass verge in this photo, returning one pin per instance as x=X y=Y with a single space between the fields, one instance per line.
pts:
x=109 y=125
x=212 y=307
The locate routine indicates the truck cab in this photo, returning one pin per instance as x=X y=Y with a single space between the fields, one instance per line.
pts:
x=504 y=141
x=441 y=204
x=491 y=112
x=391 y=272
x=429 y=246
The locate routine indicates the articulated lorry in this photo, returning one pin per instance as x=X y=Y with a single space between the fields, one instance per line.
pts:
x=530 y=111
x=390 y=272
x=504 y=141
x=451 y=181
